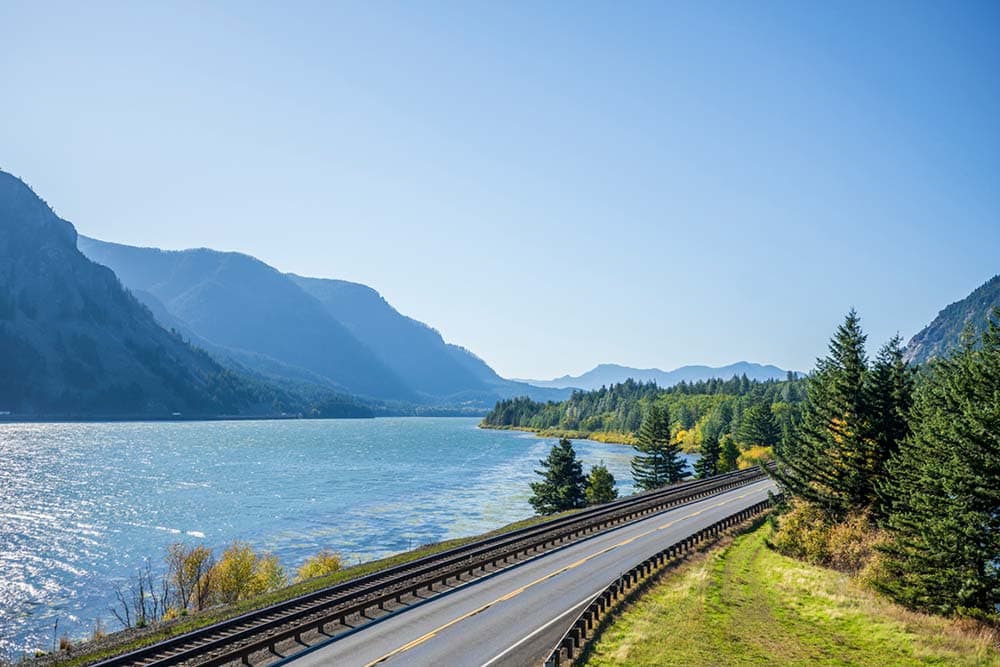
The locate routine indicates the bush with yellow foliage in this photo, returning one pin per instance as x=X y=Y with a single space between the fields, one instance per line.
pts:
x=324 y=563
x=242 y=573
x=754 y=455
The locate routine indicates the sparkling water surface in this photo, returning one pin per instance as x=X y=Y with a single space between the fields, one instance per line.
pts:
x=82 y=505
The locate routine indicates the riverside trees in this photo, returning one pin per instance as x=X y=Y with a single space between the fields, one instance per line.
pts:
x=563 y=485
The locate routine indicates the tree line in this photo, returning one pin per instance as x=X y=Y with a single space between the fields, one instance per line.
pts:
x=563 y=486
x=732 y=424
x=895 y=471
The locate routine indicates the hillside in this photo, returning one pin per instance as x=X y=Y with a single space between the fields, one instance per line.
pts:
x=241 y=308
x=304 y=332
x=74 y=342
x=415 y=351
x=945 y=332
x=605 y=375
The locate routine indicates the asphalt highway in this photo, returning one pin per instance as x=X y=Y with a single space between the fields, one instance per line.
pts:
x=515 y=616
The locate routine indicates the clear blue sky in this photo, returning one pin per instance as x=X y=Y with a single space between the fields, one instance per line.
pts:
x=550 y=184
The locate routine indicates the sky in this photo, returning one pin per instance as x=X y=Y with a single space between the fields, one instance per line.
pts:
x=550 y=184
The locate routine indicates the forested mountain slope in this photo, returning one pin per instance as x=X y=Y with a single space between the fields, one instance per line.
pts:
x=945 y=332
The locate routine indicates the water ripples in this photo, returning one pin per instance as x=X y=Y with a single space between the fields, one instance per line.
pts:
x=82 y=505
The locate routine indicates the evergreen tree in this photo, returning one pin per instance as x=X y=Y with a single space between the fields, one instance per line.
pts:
x=562 y=486
x=890 y=397
x=658 y=461
x=708 y=464
x=758 y=426
x=833 y=460
x=730 y=452
x=944 y=555
x=600 y=485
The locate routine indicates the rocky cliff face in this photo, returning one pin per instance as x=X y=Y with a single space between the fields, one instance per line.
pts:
x=945 y=332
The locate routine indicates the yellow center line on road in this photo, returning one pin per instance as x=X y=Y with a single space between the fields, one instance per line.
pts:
x=518 y=591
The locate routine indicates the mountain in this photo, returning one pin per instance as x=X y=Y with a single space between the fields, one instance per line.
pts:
x=607 y=374
x=413 y=350
x=240 y=308
x=299 y=331
x=74 y=342
x=945 y=332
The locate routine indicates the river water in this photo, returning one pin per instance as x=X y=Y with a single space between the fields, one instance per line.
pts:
x=82 y=505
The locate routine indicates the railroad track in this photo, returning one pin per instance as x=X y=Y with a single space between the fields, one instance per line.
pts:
x=344 y=606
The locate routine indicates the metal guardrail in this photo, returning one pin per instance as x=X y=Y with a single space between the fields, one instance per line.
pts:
x=240 y=637
x=592 y=619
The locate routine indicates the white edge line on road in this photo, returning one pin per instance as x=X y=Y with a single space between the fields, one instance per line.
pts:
x=558 y=618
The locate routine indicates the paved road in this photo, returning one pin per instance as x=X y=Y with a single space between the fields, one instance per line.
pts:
x=515 y=617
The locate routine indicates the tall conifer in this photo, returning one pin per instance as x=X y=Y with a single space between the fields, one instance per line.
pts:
x=563 y=483
x=890 y=397
x=944 y=555
x=658 y=461
x=708 y=464
x=832 y=461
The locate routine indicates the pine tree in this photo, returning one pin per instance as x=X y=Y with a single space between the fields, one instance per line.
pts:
x=708 y=464
x=730 y=452
x=944 y=555
x=658 y=461
x=562 y=486
x=759 y=427
x=832 y=461
x=890 y=397
x=600 y=485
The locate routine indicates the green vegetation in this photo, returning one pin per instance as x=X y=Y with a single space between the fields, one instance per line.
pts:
x=563 y=486
x=906 y=496
x=749 y=605
x=706 y=416
x=847 y=433
x=600 y=485
x=658 y=461
x=944 y=487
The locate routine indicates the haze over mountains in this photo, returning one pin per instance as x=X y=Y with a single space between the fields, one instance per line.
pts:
x=293 y=329
x=203 y=332
x=72 y=341
x=608 y=374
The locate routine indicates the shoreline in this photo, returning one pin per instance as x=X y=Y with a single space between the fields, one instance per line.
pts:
x=605 y=437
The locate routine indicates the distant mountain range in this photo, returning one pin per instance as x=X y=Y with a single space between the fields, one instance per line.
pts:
x=944 y=333
x=608 y=374
x=295 y=330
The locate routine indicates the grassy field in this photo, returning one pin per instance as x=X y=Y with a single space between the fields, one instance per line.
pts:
x=745 y=604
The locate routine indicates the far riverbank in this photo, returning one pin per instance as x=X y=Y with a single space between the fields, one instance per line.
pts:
x=606 y=437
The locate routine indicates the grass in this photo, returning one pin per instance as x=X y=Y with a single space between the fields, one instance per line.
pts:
x=117 y=644
x=745 y=604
